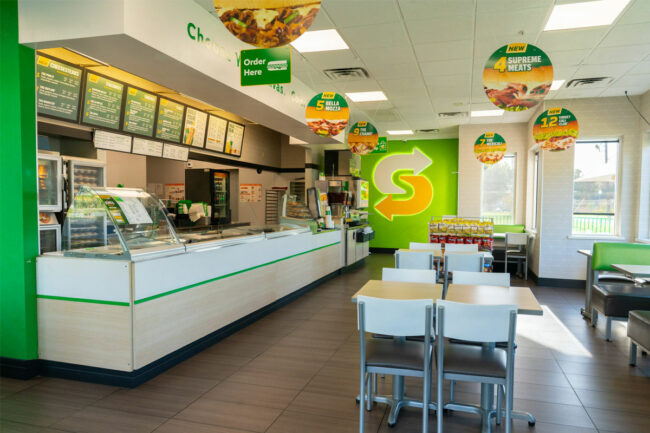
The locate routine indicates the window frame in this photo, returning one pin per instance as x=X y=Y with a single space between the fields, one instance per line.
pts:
x=514 y=192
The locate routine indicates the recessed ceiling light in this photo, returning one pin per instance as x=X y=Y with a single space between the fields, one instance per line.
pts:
x=585 y=14
x=320 y=40
x=400 y=132
x=487 y=113
x=367 y=96
x=557 y=84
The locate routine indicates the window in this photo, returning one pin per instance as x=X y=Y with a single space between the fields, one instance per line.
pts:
x=498 y=191
x=595 y=180
x=535 y=190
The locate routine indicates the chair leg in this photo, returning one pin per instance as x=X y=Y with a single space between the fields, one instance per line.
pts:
x=632 y=353
x=497 y=419
x=594 y=317
x=362 y=403
x=441 y=404
x=526 y=269
x=369 y=382
x=608 y=329
x=426 y=397
x=452 y=391
x=509 y=400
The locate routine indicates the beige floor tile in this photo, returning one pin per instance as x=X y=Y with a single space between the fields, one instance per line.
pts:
x=236 y=392
x=100 y=420
x=234 y=415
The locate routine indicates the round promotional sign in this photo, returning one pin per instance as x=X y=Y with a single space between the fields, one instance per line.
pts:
x=362 y=138
x=517 y=77
x=489 y=148
x=267 y=23
x=327 y=114
x=556 y=129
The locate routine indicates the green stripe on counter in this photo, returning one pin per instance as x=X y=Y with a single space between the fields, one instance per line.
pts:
x=160 y=295
x=89 y=301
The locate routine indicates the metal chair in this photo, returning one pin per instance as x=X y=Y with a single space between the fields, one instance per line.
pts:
x=424 y=246
x=482 y=278
x=461 y=262
x=461 y=248
x=397 y=357
x=486 y=364
x=409 y=275
x=413 y=260
x=517 y=249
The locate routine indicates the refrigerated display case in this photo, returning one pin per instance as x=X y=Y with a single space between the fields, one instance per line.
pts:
x=80 y=172
x=212 y=187
x=49 y=182
x=118 y=223
x=49 y=238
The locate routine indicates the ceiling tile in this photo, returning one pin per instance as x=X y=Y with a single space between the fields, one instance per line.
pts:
x=560 y=40
x=447 y=67
x=517 y=24
x=641 y=68
x=620 y=91
x=361 y=12
x=391 y=55
x=637 y=81
x=322 y=21
x=440 y=30
x=332 y=59
x=376 y=36
x=627 y=35
x=505 y=6
x=437 y=51
x=406 y=70
x=398 y=84
x=411 y=93
x=427 y=10
x=637 y=12
x=603 y=55
x=567 y=58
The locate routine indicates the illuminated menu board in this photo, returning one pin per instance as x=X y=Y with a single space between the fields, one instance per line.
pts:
x=170 y=120
x=139 y=112
x=57 y=88
x=102 y=101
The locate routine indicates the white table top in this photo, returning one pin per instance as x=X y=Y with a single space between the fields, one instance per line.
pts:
x=587 y=253
x=635 y=271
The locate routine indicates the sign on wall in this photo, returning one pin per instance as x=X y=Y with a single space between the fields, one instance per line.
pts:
x=362 y=138
x=517 y=76
x=269 y=23
x=490 y=148
x=265 y=66
x=57 y=88
x=327 y=114
x=556 y=129
x=250 y=192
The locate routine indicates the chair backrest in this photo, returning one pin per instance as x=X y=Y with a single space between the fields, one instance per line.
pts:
x=607 y=253
x=465 y=248
x=464 y=262
x=409 y=275
x=424 y=246
x=392 y=316
x=413 y=260
x=485 y=278
x=509 y=228
x=516 y=239
x=470 y=322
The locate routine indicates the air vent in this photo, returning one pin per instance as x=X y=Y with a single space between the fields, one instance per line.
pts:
x=452 y=114
x=427 y=131
x=581 y=83
x=346 y=74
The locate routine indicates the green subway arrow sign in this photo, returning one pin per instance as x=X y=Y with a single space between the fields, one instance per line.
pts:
x=265 y=66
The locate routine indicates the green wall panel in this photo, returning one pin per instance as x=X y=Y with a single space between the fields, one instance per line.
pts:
x=19 y=218
x=409 y=184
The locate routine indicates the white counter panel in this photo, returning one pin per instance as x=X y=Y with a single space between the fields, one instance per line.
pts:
x=84 y=279
x=161 y=276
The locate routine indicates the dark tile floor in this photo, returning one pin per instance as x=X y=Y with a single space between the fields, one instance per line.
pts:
x=296 y=371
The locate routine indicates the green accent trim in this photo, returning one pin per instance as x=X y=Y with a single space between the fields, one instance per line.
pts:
x=607 y=253
x=509 y=228
x=160 y=295
x=89 y=301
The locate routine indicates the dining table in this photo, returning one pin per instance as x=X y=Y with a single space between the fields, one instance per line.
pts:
x=638 y=273
x=523 y=297
x=589 y=281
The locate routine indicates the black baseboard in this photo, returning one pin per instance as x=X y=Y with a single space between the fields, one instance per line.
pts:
x=557 y=282
x=19 y=368
x=137 y=377
x=383 y=250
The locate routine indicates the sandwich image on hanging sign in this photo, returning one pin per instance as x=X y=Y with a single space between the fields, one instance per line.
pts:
x=267 y=23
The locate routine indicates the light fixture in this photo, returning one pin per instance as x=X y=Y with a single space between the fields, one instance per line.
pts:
x=320 y=40
x=400 y=132
x=487 y=113
x=557 y=84
x=585 y=14
x=367 y=96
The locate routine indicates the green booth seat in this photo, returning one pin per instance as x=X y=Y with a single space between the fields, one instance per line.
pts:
x=509 y=228
x=606 y=254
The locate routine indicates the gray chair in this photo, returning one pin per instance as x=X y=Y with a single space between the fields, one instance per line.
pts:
x=409 y=275
x=517 y=251
x=413 y=260
x=461 y=248
x=398 y=356
x=424 y=246
x=461 y=262
x=487 y=364
x=638 y=331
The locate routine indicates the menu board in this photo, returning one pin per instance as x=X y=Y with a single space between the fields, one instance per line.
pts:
x=110 y=141
x=102 y=101
x=234 y=139
x=179 y=153
x=195 y=123
x=147 y=147
x=170 y=120
x=250 y=192
x=57 y=89
x=139 y=112
x=216 y=135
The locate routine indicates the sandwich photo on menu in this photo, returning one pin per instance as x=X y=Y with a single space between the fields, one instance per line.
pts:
x=267 y=23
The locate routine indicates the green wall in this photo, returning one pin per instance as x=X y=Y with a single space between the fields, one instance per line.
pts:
x=434 y=192
x=19 y=216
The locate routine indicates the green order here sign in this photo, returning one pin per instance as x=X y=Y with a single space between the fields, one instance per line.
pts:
x=265 y=66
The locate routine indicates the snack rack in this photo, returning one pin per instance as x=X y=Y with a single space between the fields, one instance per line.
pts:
x=462 y=230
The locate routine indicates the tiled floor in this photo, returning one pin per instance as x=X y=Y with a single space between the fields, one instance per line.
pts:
x=296 y=371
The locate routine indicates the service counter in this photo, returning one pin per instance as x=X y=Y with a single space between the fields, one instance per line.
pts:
x=126 y=312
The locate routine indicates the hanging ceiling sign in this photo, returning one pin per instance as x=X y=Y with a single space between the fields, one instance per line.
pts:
x=517 y=77
x=265 y=66
x=327 y=114
x=363 y=138
x=382 y=145
x=556 y=129
x=267 y=23
x=489 y=148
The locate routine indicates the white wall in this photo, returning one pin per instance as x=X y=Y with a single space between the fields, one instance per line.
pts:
x=644 y=190
x=125 y=168
x=470 y=170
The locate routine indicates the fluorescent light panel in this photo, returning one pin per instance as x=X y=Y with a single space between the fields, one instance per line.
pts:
x=557 y=84
x=367 y=96
x=585 y=14
x=320 y=40
x=487 y=113
x=401 y=132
